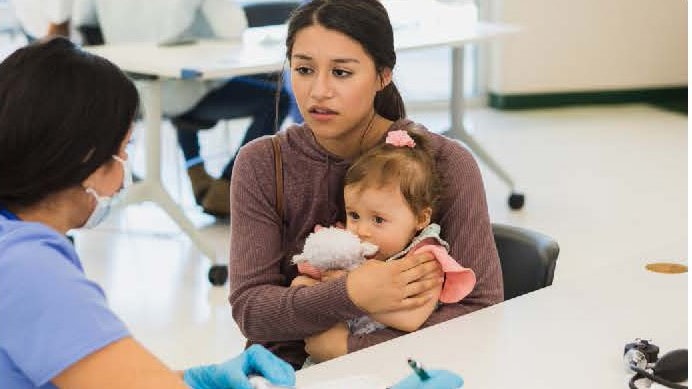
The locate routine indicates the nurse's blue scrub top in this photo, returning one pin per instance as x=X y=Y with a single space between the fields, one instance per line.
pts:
x=51 y=316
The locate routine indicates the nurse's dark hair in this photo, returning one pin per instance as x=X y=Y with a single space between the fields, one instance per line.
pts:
x=366 y=22
x=63 y=113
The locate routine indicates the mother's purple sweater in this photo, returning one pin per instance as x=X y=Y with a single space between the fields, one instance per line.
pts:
x=271 y=313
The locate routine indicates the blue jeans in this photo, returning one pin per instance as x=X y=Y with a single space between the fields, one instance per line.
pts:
x=253 y=96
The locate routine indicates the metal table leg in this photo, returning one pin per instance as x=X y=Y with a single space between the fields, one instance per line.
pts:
x=151 y=188
x=458 y=130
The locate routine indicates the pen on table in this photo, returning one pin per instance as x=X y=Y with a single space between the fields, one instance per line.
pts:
x=418 y=369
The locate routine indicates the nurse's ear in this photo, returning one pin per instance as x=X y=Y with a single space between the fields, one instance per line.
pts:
x=99 y=178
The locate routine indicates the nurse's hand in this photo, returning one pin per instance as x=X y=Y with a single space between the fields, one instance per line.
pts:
x=233 y=373
x=380 y=287
x=439 y=379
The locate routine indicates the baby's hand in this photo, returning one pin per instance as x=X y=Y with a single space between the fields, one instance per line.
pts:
x=333 y=274
x=304 y=281
x=307 y=269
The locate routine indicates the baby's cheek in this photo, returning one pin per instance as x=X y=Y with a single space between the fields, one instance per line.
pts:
x=351 y=228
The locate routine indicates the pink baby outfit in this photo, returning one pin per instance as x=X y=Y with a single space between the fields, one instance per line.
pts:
x=459 y=280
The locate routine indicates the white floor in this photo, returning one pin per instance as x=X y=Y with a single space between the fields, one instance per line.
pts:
x=608 y=183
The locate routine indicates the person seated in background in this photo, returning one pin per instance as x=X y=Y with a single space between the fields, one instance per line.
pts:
x=42 y=18
x=193 y=105
x=48 y=18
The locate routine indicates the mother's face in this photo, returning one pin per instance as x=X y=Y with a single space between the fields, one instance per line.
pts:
x=335 y=81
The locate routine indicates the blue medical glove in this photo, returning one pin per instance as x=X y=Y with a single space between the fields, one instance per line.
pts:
x=439 y=379
x=234 y=373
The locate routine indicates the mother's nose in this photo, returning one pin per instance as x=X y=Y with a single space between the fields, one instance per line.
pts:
x=321 y=87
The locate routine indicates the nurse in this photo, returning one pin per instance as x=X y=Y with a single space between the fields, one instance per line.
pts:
x=65 y=119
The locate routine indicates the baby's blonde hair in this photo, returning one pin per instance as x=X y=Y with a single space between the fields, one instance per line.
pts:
x=413 y=168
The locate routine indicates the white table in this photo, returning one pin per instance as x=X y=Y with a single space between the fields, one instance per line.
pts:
x=262 y=50
x=569 y=335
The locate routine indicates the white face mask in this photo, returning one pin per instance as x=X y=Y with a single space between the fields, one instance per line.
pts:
x=104 y=203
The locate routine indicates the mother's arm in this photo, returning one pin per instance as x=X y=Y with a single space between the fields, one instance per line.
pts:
x=465 y=224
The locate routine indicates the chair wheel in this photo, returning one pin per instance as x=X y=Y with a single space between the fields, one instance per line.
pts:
x=516 y=200
x=218 y=274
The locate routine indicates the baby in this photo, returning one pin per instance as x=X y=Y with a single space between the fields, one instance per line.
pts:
x=390 y=193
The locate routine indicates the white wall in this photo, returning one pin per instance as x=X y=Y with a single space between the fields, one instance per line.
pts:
x=588 y=45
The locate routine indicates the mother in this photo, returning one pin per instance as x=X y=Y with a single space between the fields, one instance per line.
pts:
x=342 y=56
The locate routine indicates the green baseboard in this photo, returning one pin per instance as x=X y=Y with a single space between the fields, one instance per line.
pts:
x=673 y=96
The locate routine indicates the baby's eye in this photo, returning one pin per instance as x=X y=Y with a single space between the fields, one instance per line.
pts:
x=303 y=70
x=353 y=215
x=340 y=73
x=378 y=219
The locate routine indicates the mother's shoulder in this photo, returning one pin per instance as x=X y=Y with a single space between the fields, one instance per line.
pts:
x=259 y=147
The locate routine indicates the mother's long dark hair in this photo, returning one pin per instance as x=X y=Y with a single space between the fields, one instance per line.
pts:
x=366 y=22
x=63 y=113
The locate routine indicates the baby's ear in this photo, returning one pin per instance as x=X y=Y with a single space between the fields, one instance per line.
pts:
x=317 y=228
x=424 y=218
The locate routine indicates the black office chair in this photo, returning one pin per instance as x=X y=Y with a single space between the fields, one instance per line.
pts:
x=527 y=258
x=269 y=13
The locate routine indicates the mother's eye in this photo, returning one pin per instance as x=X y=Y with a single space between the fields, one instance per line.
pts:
x=303 y=70
x=341 y=73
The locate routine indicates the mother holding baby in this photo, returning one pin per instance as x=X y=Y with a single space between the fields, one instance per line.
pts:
x=341 y=55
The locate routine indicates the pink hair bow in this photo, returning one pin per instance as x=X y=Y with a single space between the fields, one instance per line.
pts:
x=400 y=138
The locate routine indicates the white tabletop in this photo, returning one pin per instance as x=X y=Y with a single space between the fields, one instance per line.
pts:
x=262 y=50
x=570 y=335
x=204 y=59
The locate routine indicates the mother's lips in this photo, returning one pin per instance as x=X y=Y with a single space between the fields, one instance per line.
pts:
x=321 y=110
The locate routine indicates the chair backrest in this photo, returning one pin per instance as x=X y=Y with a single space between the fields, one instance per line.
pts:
x=268 y=13
x=527 y=258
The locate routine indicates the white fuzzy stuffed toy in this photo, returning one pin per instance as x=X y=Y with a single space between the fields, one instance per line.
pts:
x=332 y=248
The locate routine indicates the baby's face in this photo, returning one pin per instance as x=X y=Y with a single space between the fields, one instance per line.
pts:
x=381 y=216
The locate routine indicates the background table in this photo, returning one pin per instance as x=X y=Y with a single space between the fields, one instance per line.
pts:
x=569 y=335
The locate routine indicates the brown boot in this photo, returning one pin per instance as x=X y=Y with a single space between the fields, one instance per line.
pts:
x=217 y=201
x=200 y=180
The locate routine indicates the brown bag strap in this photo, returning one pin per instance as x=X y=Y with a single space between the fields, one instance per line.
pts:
x=278 y=171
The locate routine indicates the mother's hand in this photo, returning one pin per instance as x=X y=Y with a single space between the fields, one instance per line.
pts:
x=378 y=287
